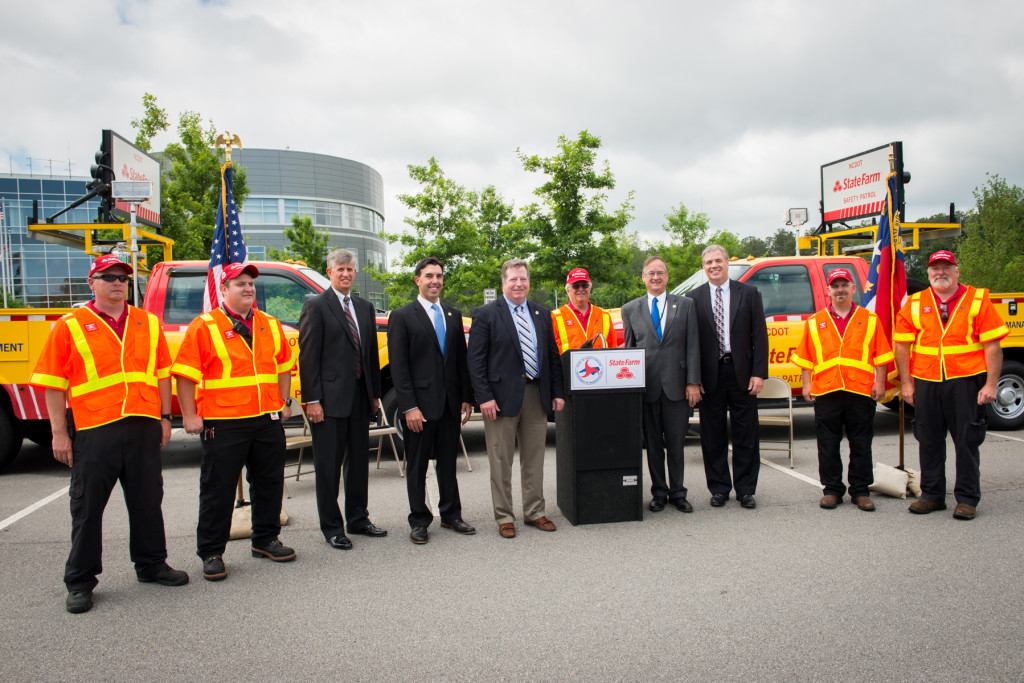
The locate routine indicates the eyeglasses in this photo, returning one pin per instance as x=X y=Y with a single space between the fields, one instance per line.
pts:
x=107 y=277
x=657 y=273
x=581 y=285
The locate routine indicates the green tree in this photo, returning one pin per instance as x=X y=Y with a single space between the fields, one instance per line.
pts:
x=991 y=250
x=573 y=227
x=305 y=243
x=916 y=260
x=190 y=180
x=444 y=227
x=751 y=246
x=501 y=235
x=781 y=243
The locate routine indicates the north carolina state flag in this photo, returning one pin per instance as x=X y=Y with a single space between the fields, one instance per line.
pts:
x=886 y=289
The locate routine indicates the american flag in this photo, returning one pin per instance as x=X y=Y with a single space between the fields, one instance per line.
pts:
x=228 y=246
x=886 y=290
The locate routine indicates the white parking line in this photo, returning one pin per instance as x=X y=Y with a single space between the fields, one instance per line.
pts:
x=32 y=508
x=1007 y=436
x=792 y=473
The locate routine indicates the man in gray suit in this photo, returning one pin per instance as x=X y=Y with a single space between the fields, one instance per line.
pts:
x=666 y=326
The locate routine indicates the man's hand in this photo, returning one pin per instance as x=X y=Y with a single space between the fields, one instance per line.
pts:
x=878 y=390
x=693 y=394
x=490 y=410
x=756 y=385
x=414 y=420
x=374 y=407
x=806 y=391
x=165 y=432
x=987 y=394
x=286 y=413
x=557 y=404
x=193 y=423
x=62 y=448
x=314 y=412
x=908 y=391
x=467 y=412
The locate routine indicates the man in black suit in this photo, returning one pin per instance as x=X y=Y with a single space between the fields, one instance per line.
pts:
x=427 y=354
x=340 y=375
x=665 y=325
x=517 y=376
x=734 y=365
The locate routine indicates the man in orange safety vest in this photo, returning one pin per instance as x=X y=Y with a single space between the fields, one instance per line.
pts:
x=579 y=320
x=842 y=357
x=105 y=370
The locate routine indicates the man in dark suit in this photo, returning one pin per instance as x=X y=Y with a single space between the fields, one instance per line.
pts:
x=665 y=325
x=427 y=354
x=734 y=365
x=340 y=375
x=517 y=376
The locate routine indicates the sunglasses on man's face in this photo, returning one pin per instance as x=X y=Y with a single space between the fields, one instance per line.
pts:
x=581 y=285
x=107 y=277
x=943 y=312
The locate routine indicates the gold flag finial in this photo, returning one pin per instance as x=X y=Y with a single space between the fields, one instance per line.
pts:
x=226 y=139
x=892 y=160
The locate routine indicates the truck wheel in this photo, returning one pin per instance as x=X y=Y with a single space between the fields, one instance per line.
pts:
x=10 y=437
x=38 y=432
x=1007 y=411
x=390 y=406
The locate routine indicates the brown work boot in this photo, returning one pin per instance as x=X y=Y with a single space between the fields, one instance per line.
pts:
x=964 y=511
x=829 y=501
x=923 y=507
x=864 y=503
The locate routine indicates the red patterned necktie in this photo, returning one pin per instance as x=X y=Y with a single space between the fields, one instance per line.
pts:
x=354 y=331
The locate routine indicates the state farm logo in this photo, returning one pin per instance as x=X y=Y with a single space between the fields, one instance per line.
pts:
x=838 y=187
x=624 y=373
x=588 y=369
x=856 y=181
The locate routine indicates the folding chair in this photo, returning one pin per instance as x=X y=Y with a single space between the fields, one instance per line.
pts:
x=380 y=429
x=776 y=387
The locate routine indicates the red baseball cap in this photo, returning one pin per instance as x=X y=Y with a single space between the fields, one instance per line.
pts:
x=233 y=270
x=577 y=275
x=839 y=274
x=942 y=256
x=108 y=261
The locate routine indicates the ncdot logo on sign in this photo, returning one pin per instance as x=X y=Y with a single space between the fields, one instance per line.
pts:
x=607 y=369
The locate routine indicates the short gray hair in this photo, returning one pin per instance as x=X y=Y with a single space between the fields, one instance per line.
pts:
x=513 y=263
x=340 y=257
x=714 y=247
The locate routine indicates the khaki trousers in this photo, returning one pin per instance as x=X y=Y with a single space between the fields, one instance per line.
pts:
x=530 y=427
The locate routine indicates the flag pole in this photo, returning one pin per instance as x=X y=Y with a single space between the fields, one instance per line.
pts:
x=894 y=236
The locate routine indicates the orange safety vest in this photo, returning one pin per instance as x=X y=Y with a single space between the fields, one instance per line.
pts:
x=956 y=350
x=569 y=334
x=105 y=378
x=842 y=362
x=234 y=380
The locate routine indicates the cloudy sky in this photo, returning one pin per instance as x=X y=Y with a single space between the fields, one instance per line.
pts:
x=728 y=107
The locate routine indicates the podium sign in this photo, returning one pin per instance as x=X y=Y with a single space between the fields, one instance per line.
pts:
x=607 y=369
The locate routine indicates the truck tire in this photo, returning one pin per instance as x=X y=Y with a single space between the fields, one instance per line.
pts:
x=390 y=406
x=1007 y=411
x=10 y=437
x=38 y=432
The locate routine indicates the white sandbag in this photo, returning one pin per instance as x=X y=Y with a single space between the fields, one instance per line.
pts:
x=890 y=481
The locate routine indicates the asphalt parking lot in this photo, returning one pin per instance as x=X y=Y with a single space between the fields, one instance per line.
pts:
x=784 y=592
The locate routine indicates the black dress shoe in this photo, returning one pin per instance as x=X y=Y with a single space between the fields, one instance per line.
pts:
x=718 y=500
x=213 y=568
x=419 y=535
x=683 y=505
x=275 y=550
x=657 y=504
x=747 y=501
x=369 y=530
x=340 y=542
x=459 y=527
x=79 y=601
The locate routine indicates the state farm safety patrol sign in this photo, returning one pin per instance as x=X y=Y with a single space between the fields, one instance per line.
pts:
x=855 y=187
x=607 y=369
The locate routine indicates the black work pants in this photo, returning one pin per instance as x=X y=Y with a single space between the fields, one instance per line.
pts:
x=855 y=413
x=341 y=446
x=128 y=451
x=439 y=440
x=258 y=444
x=950 y=407
x=665 y=425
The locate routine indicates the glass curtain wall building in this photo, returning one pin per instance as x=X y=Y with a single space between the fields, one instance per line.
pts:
x=345 y=198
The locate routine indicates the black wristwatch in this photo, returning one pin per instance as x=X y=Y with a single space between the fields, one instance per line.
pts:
x=166 y=417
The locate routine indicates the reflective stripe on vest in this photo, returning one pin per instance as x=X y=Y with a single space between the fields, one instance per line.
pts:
x=94 y=382
x=226 y=381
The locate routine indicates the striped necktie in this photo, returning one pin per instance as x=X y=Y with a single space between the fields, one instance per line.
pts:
x=720 y=320
x=354 y=331
x=526 y=341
